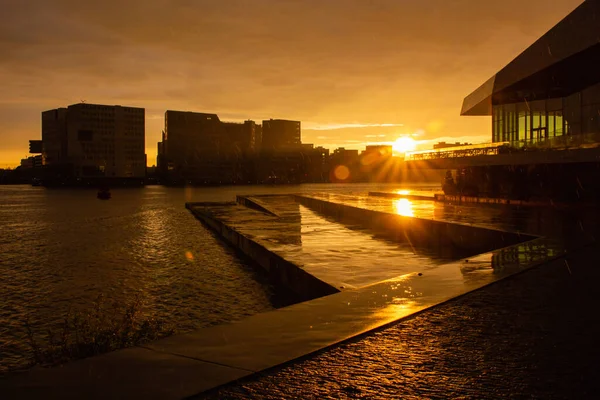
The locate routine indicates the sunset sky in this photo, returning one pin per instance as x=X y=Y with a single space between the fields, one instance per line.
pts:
x=354 y=72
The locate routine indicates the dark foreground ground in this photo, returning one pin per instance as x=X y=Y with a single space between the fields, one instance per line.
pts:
x=534 y=335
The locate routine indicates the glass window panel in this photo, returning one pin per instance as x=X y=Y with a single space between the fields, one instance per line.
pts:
x=527 y=125
x=497 y=126
x=511 y=125
x=522 y=124
x=500 y=127
x=542 y=120
x=558 y=125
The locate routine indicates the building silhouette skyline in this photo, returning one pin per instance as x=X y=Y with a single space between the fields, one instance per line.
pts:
x=93 y=144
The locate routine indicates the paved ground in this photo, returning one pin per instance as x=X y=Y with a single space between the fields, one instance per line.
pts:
x=534 y=335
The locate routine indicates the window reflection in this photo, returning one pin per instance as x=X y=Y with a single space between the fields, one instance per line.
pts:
x=532 y=121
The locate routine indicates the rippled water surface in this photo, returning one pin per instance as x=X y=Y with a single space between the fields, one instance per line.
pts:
x=61 y=249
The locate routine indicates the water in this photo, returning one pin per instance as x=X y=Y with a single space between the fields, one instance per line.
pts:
x=61 y=249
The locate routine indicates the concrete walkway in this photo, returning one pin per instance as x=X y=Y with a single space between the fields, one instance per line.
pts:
x=533 y=335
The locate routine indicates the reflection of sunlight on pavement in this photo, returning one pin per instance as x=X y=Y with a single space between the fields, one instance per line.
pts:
x=401 y=301
x=404 y=207
x=398 y=307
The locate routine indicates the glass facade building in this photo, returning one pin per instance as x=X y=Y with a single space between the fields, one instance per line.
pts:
x=531 y=121
x=552 y=89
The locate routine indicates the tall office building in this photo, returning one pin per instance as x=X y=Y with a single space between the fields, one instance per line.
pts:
x=280 y=134
x=240 y=137
x=54 y=137
x=200 y=148
x=257 y=138
x=95 y=140
x=192 y=145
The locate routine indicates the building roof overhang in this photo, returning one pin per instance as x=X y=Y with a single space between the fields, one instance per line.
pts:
x=563 y=61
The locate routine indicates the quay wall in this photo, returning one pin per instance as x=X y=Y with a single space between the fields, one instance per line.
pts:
x=281 y=273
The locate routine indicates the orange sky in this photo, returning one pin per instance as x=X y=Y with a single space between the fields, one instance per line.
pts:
x=345 y=68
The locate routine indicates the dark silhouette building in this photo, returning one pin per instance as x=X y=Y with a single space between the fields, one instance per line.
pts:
x=92 y=141
x=293 y=164
x=32 y=162
x=199 y=148
x=279 y=134
x=344 y=165
x=240 y=137
x=54 y=136
x=192 y=146
x=36 y=147
x=258 y=138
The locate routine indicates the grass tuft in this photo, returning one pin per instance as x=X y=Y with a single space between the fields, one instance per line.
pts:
x=100 y=330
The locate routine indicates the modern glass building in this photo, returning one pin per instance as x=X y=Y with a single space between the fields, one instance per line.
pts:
x=552 y=89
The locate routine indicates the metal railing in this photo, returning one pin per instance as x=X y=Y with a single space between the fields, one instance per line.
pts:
x=567 y=142
x=480 y=149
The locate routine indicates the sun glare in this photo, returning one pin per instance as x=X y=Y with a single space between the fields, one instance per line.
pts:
x=404 y=144
x=404 y=208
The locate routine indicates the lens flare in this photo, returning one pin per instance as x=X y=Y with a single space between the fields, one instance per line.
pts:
x=341 y=172
x=189 y=256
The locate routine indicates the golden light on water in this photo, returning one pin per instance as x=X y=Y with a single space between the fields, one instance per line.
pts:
x=404 y=207
x=403 y=192
x=189 y=256
x=341 y=172
x=404 y=144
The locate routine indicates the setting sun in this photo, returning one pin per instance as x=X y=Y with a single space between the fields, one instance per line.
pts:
x=404 y=144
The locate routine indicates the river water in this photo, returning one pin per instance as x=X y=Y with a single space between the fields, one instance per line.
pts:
x=60 y=249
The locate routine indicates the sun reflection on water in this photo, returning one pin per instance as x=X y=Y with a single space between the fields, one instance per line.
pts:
x=404 y=207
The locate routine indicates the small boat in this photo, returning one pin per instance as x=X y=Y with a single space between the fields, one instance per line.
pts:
x=104 y=194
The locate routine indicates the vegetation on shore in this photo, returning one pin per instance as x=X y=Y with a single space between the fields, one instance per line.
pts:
x=100 y=330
